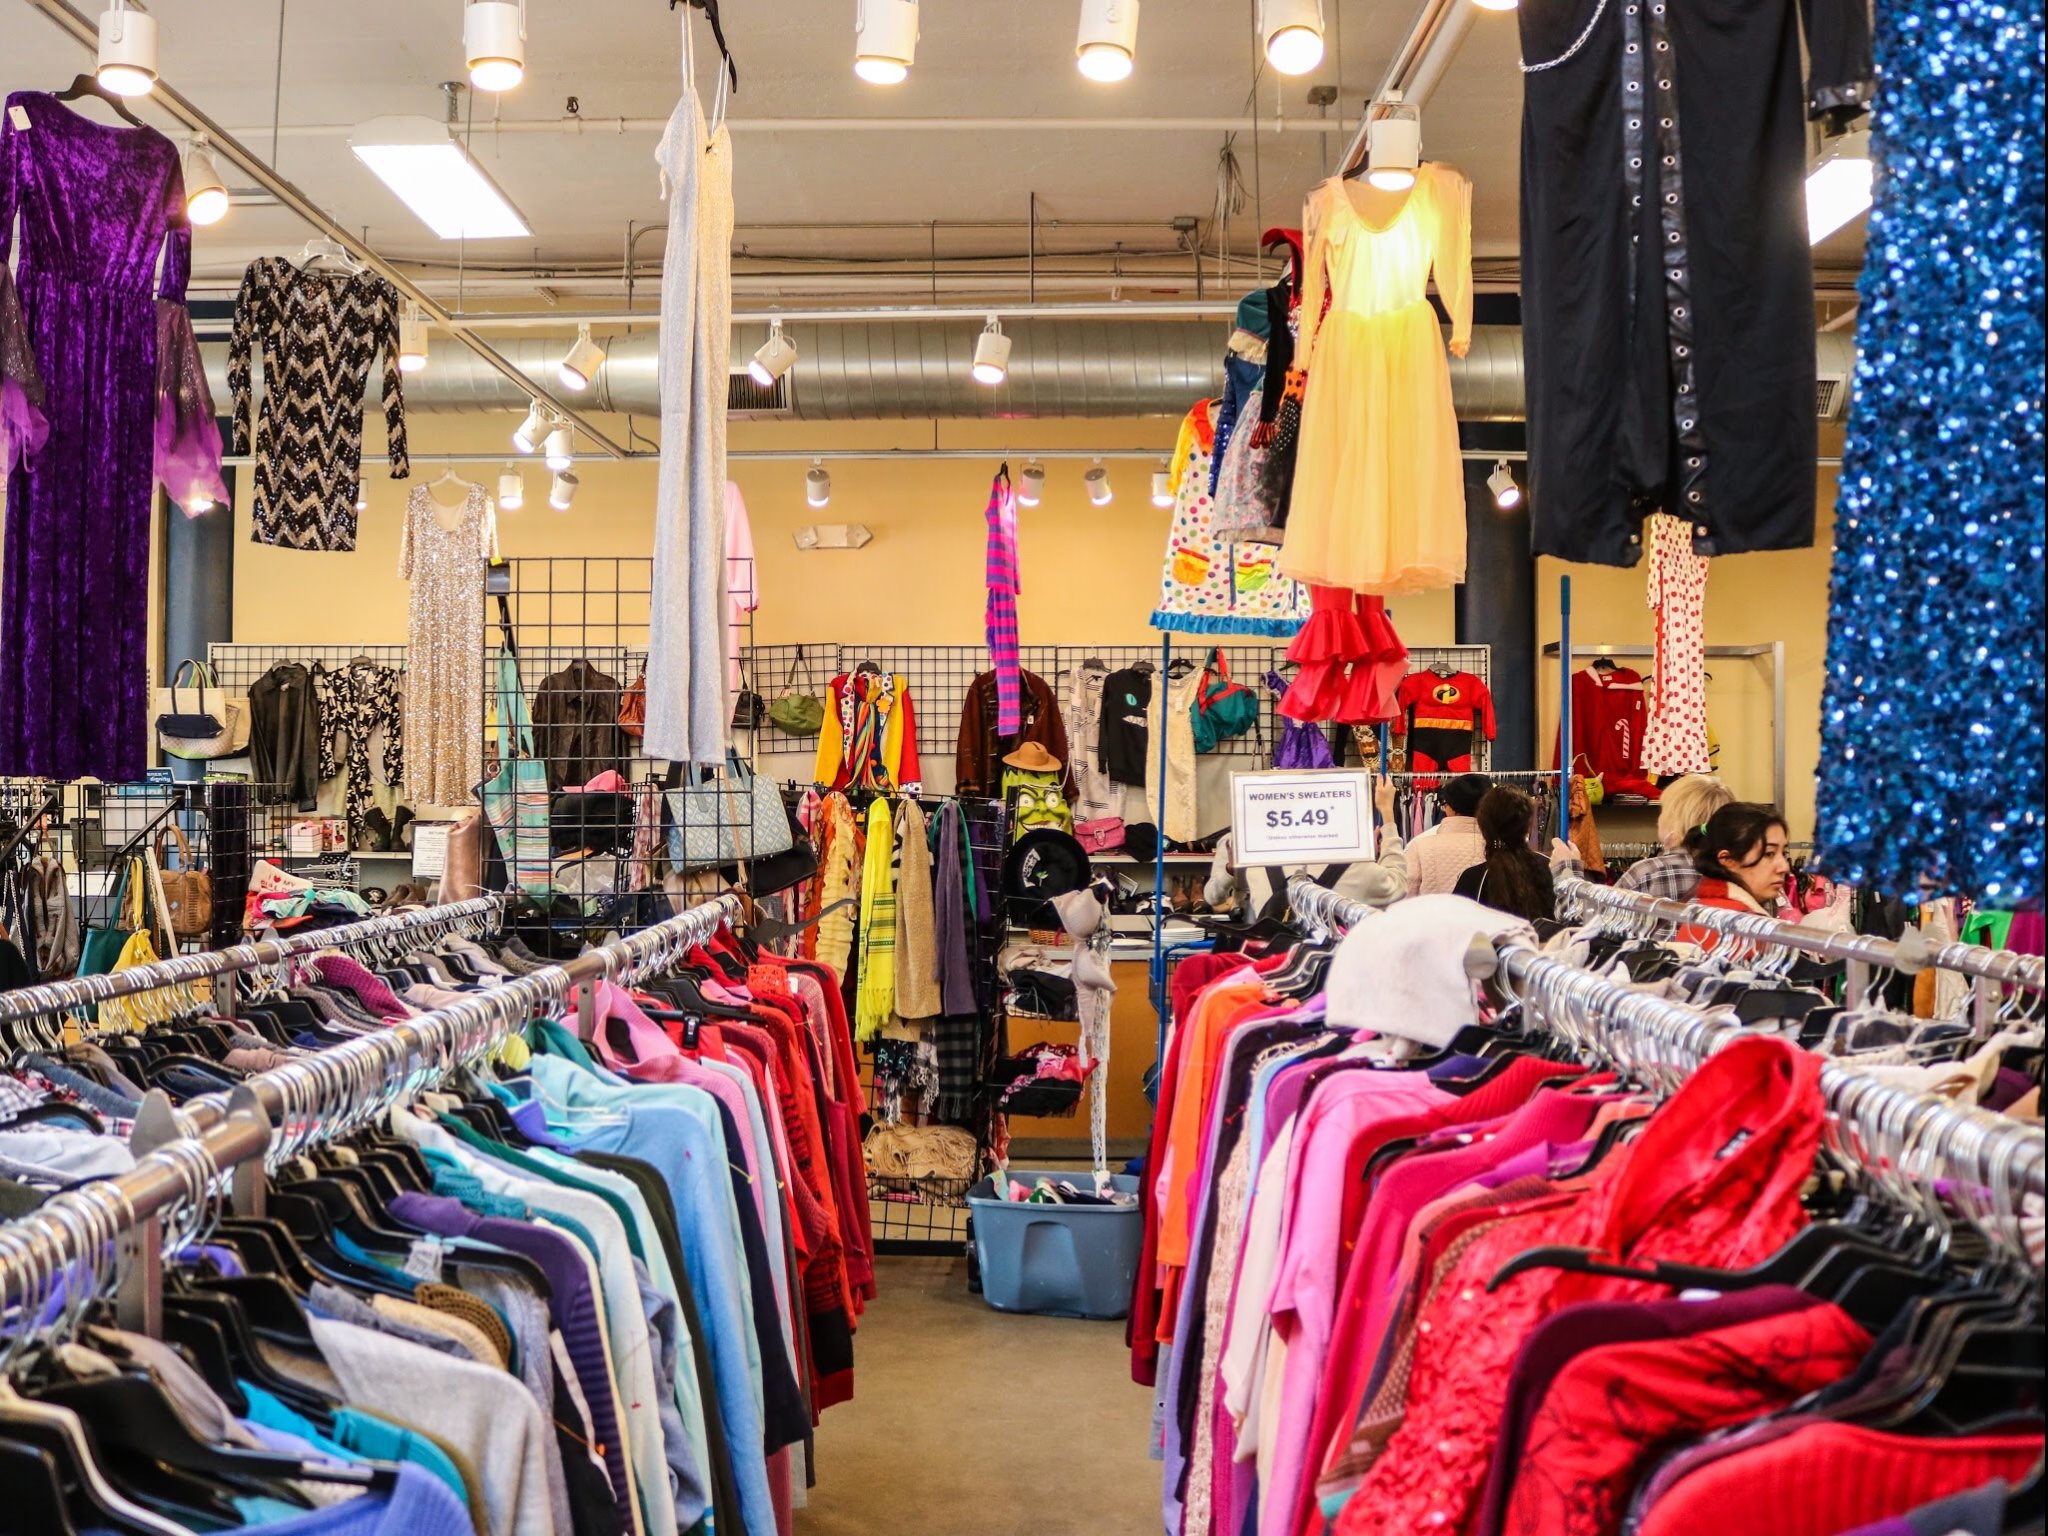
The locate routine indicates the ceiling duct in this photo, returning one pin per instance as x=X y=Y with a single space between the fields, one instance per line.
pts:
x=877 y=370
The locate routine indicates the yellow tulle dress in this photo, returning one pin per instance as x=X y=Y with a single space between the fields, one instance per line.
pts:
x=1379 y=487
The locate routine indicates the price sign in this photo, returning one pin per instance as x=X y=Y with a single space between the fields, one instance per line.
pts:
x=1310 y=817
x=430 y=848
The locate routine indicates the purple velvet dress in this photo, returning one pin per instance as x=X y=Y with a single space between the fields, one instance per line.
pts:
x=111 y=357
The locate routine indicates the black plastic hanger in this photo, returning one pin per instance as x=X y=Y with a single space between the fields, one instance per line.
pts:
x=89 y=85
x=35 y=1492
x=60 y=1109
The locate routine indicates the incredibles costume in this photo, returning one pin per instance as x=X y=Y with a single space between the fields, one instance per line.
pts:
x=1439 y=715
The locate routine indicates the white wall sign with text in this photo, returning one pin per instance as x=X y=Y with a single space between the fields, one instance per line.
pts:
x=1315 y=816
x=430 y=848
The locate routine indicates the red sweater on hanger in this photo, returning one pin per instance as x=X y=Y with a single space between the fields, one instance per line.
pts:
x=1609 y=712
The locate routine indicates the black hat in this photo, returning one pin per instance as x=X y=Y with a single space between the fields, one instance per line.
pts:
x=1045 y=862
x=1461 y=796
x=1141 y=841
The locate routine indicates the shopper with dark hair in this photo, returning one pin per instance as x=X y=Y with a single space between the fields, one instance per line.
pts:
x=1438 y=856
x=1514 y=877
x=1742 y=863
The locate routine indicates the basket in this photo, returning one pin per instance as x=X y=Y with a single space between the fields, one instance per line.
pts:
x=1056 y=1260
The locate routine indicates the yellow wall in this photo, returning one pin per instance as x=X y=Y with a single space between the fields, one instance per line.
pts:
x=1090 y=575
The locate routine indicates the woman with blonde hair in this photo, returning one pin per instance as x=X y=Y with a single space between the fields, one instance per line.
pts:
x=1685 y=808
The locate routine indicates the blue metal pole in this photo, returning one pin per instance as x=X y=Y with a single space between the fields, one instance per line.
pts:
x=1564 y=708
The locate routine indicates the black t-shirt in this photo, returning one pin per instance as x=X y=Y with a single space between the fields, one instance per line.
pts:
x=1473 y=883
x=1126 y=696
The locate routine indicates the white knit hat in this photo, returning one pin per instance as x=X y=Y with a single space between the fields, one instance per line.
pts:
x=1402 y=972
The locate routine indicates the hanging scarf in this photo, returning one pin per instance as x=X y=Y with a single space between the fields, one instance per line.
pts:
x=953 y=907
x=877 y=1000
x=917 y=960
x=834 y=932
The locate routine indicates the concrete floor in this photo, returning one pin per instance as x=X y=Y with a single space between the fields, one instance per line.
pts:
x=971 y=1422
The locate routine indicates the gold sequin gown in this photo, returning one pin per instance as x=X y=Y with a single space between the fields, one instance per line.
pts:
x=442 y=550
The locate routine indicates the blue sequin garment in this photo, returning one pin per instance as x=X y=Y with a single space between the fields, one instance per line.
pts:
x=1931 y=730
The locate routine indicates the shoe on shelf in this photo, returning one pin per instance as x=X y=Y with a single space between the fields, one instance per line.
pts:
x=377 y=831
x=401 y=827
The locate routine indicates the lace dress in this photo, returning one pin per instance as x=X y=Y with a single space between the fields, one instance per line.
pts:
x=442 y=551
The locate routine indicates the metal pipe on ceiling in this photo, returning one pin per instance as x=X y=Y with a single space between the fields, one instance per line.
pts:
x=959 y=314
x=594 y=127
x=1419 y=62
x=228 y=146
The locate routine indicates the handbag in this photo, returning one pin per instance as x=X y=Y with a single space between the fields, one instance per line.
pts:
x=590 y=820
x=633 y=707
x=732 y=816
x=187 y=890
x=101 y=949
x=749 y=709
x=1103 y=834
x=779 y=871
x=1222 y=709
x=793 y=713
x=588 y=876
x=200 y=722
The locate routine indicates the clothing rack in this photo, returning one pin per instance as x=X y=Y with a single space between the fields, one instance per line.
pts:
x=1863 y=952
x=121 y=1223
x=423 y=923
x=1891 y=1132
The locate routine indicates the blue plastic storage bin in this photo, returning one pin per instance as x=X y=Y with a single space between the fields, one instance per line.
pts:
x=1059 y=1260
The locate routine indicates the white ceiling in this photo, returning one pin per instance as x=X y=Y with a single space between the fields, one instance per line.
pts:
x=977 y=58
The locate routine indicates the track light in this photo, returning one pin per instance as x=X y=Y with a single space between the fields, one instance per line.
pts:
x=1107 y=45
x=563 y=492
x=817 y=485
x=362 y=497
x=412 y=340
x=127 y=53
x=561 y=448
x=1162 y=487
x=1497 y=5
x=528 y=435
x=1293 y=30
x=991 y=354
x=511 y=490
x=1838 y=188
x=884 y=40
x=1396 y=144
x=773 y=358
x=206 y=195
x=494 y=43
x=1506 y=494
x=1030 y=483
x=579 y=369
x=1097 y=481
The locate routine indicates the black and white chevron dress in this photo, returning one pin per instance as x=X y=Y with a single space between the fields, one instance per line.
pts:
x=319 y=331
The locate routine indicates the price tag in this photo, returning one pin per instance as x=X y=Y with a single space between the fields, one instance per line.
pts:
x=1309 y=817
x=430 y=848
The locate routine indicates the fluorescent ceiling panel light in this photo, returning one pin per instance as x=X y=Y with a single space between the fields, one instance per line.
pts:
x=437 y=178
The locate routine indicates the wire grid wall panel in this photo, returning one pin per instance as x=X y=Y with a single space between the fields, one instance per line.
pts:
x=939 y=676
x=239 y=666
x=930 y=1215
x=578 y=627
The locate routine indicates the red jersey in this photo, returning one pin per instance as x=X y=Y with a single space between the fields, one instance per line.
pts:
x=1432 y=702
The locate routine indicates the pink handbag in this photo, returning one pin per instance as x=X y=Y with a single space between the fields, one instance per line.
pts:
x=1102 y=835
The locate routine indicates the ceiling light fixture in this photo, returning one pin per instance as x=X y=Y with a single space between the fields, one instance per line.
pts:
x=511 y=489
x=127 y=53
x=412 y=340
x=817 y=485
x=1506 y=494
x=1293 y=30
x=494 y=43
x=362 y=497
x=1162 y=487
x=1107 y=46
x=991 y=354
x=528 y=435
x=1396 y=144
x=437 y=177
x=563 y=492
x=206 y=195
x=578 y=370
x=773 y=358
x=1840 y=185
x=1497 y=5
x=1030 y=483
x=884 y=40
x=561 y=448
x=1097 y=481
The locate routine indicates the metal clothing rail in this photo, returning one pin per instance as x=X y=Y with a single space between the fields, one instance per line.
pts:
x=347 y=1084
x=1892 y=1131
x=125 y=1223
x=57 y=997
x=1908 y=955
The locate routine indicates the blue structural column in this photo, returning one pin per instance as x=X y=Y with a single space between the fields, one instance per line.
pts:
x=199 y=590
x=1496 y=604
